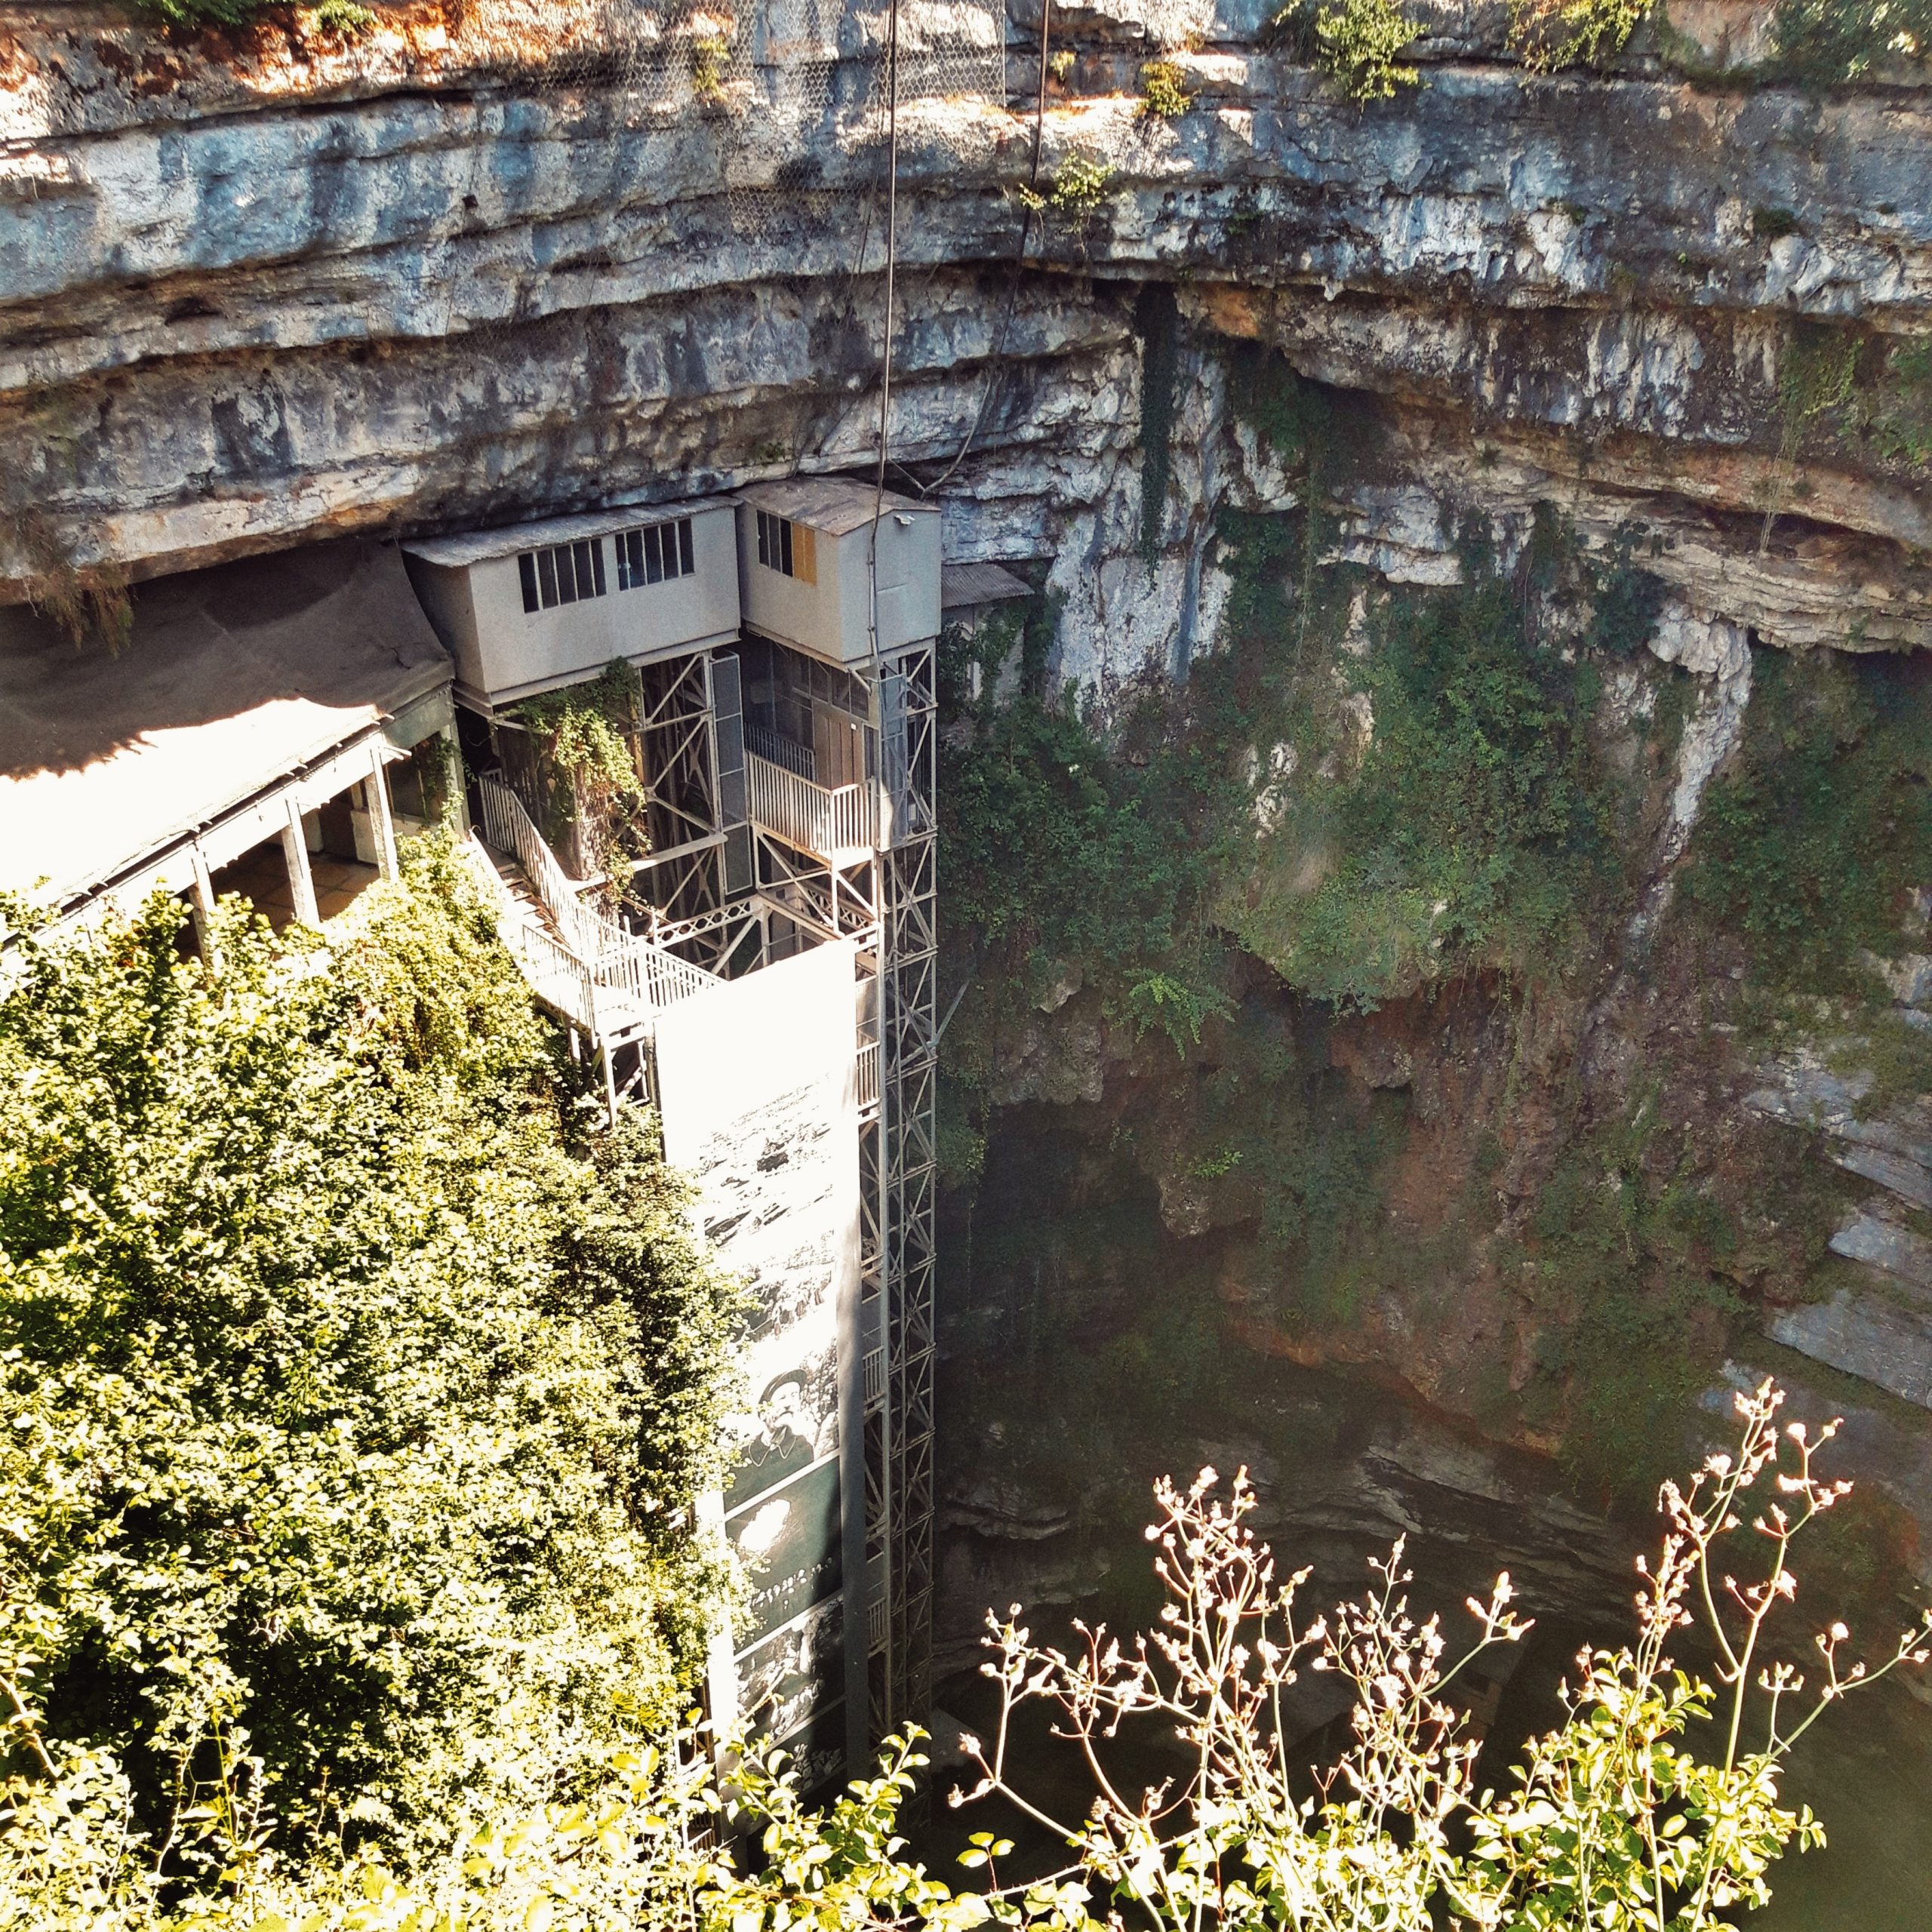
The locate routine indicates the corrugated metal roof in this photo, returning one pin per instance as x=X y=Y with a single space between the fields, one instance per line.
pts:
x=836 y=505
x=234 y=678
x=963 y=584
x=476 y=546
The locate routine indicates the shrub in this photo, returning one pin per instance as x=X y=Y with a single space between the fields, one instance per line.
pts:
x=1546 y=35
x=1358 y=41
x=344 y=19
x=355 y=1395
x=710 y=55
x=1805 y=847
x=1614 y=1810
x=1163 y=94
x=1831 y=42
x=1077 y=189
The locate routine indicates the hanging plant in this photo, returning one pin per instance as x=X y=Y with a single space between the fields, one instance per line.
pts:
x=585 y=739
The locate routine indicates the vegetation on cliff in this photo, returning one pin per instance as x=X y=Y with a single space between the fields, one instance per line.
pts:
x=358 y=1386
x=1393 y=842
x=1812 y=844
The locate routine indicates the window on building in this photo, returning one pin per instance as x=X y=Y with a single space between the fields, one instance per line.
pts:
x=790 y=548
x=563 y=573
x=654 y=554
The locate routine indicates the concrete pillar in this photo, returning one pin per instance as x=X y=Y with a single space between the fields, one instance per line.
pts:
x=382 y=821
x=295 y=854
x=204 y=902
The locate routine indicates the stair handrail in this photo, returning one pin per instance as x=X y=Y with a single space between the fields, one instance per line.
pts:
x=555 y=972
x=508 y=825
x=622 y=960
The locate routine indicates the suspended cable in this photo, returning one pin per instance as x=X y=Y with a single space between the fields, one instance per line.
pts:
x=1019 y=261
x=891 y=274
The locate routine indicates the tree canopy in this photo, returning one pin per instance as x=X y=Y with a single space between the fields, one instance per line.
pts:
x=356 y=1380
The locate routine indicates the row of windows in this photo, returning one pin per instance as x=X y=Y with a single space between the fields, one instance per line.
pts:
x=573 y=573
x=649 y=556
x=791 y=549
x=562 y=573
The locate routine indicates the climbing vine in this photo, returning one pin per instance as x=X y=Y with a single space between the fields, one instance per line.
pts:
x=587 y=739
x=357 y=1397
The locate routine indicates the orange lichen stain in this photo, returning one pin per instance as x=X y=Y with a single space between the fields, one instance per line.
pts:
x=282 y=54
x=17 y=65
x=1231 y=310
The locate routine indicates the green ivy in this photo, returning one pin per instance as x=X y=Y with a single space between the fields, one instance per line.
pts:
x=358 y=1394
x=587 y=739
x=344 y=19
x=1807 y=846
x=195 y=14
x=585 y=731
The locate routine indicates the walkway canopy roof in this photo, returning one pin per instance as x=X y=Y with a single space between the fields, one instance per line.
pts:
x=238 y=686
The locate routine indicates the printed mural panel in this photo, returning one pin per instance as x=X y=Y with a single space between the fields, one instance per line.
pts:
x=818 y=1750
x=789 y=1540
x=781 y=1681
x=757 y=1086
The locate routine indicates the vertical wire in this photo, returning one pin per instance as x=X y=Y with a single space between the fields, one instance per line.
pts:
x=891 y=276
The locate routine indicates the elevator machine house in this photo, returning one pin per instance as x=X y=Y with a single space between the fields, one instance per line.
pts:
x=740 y=928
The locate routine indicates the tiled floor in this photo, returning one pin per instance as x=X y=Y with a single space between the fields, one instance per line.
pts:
x=261 y=877
x=338 y=882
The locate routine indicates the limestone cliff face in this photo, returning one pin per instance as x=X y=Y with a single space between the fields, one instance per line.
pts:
x=258 y=288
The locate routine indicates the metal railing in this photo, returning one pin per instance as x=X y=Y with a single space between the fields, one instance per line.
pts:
x=799 y=759
x=827 y=824
x=556 y=975
x=627 y=978
x=508 y=826
x=650 y=976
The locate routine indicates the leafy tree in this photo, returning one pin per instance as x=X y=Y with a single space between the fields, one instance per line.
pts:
x=355 y=1392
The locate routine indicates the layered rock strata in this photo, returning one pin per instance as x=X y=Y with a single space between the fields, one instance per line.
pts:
x=258 y=289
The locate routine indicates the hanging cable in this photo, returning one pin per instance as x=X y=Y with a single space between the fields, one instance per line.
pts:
x=996 y=359
x=891 y=273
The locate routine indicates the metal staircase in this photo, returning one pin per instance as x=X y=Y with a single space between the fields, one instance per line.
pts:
x=597 y=976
